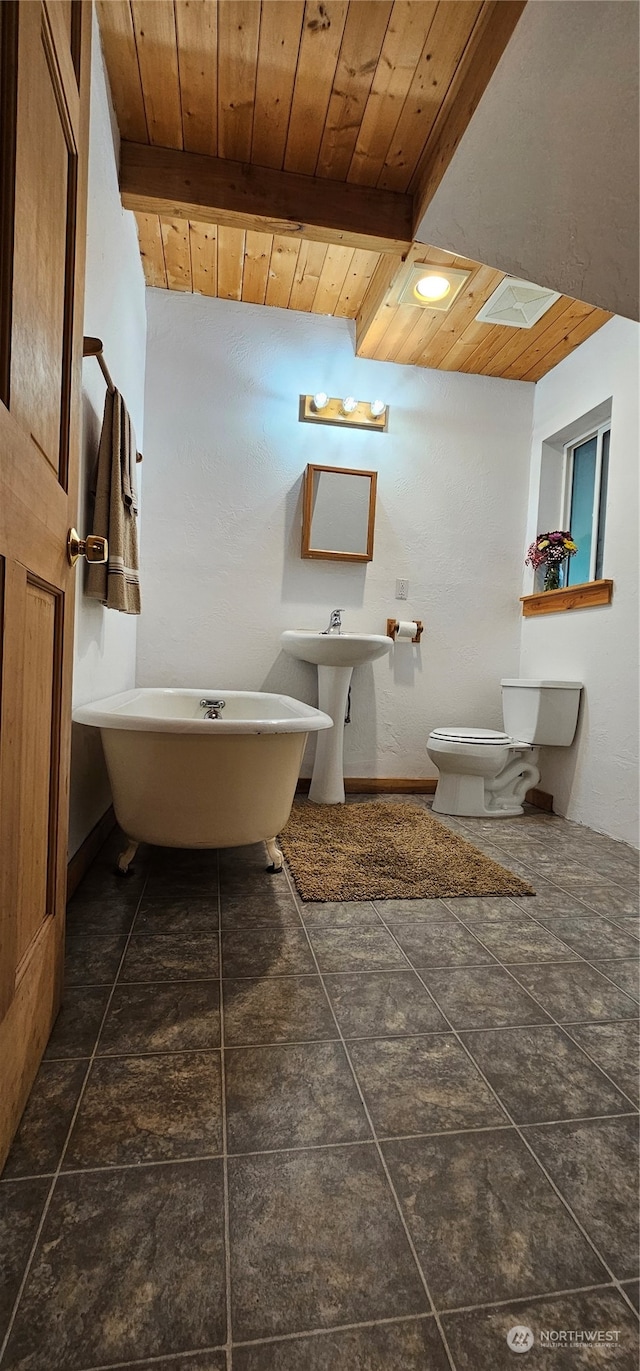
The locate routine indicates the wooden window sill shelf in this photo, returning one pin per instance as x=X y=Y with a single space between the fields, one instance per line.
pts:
x=585 y=596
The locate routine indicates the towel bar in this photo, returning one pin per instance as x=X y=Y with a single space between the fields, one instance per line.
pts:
x=92 y=347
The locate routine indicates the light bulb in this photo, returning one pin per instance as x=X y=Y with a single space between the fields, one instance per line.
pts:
x=349 y=404
x=377 y=408
x=320 y=401
x=432 y=287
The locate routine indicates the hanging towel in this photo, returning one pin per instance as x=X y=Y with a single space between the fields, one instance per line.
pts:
x=116 y=583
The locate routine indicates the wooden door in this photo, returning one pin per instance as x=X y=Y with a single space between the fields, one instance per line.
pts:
x=44 y=102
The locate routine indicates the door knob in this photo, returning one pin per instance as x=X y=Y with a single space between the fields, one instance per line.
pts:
x=94 y=548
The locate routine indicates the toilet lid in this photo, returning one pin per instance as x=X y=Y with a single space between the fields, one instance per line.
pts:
x=470 y=735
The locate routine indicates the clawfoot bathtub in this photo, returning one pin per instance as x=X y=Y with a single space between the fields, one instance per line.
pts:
x=202 y=768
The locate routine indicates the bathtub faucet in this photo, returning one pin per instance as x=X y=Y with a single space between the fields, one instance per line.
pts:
x=212 y=708
x=335 y=622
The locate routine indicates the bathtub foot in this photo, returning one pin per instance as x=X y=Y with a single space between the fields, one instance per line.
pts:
x=277 y=859
x=125 y=859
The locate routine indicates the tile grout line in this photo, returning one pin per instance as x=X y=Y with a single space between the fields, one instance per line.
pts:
x=571 y=893
x=392 y=1321
x=528 y=1146
x=556 y=1022
x=411 y=1318
x=225 y=1164
x=58 y=1171
x=351 y=1037
x=381 y=1157
x=190 y=1158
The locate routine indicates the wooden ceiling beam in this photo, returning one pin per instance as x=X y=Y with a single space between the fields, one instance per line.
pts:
x=185 y=185
x=488 y=41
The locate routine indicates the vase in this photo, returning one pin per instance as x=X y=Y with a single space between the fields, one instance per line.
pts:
x=553 y=576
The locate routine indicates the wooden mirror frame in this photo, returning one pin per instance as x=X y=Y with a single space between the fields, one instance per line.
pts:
x=307 y=510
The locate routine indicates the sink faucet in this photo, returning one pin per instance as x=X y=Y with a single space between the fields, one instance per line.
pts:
x=335 y=622
x=212 y=708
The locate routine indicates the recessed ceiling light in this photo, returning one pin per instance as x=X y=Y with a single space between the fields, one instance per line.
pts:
x=432 y=287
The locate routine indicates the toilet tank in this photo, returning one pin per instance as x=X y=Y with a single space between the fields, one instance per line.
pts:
x=544 y=713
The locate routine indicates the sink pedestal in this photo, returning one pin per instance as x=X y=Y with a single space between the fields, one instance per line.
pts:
x=327 y=784
x=335 y=655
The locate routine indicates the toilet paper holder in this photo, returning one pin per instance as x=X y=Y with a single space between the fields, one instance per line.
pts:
x=392 y=629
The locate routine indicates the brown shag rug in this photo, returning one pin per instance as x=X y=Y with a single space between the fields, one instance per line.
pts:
x=386 y=851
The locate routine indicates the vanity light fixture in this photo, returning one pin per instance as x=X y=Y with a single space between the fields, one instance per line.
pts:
x=347 y=412
x=432 y=287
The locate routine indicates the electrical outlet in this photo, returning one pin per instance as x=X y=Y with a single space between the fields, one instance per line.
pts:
x=402 y=589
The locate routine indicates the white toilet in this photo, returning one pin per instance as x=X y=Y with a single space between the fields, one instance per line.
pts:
x=488 y=774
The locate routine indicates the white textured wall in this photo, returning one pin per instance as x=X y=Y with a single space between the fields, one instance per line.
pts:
x=544 y=183
x=223 y=576
x=105 y=641
x=596 y=780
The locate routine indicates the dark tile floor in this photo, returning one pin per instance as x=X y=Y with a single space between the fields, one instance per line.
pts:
x=332 y=1137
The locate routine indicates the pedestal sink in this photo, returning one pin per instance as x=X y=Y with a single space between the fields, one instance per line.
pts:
x=335 y=655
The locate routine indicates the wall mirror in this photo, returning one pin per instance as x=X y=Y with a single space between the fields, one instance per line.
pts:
x=338 y=513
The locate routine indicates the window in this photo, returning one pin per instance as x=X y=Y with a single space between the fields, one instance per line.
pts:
x=586 y=472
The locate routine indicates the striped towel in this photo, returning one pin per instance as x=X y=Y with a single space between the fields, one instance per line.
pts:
x=116 y=583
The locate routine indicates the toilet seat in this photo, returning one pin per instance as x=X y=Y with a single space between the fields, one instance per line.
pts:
x=482 y=736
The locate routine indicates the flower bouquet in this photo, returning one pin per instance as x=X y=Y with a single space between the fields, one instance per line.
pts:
x=550 y=550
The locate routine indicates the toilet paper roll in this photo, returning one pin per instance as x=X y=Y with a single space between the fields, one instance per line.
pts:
x=407 y=629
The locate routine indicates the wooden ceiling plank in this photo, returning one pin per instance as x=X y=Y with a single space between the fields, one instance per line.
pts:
x=460 y=351
x=480 y=356
x=462 y=313
x=364 y=34
x=230 y=262
x=470 y=86
x=448 y=37
x=550 y=334
x=284 y=256
x=177 y=254
x=404 y=41
x=459 y=76
x=257 y=254
x=583 y=330
x=401 y=325
x=187 y=184
x=203 y=239
x=238 y=38
x=385 y=277
x=332 y=279
x=307 y=274
x=156 y=42
x=121 y=57
x=280 y=30
x=324 y=22
x=197 y=36
x=512 y=343
x=363 y=265
x=419 y=340
x=435 y=257
x=152 y=250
